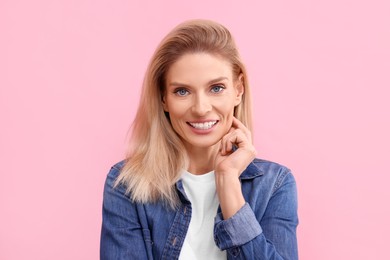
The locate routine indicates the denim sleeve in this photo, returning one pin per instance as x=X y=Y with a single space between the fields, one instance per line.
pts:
x=244 y=236
x=121 y=233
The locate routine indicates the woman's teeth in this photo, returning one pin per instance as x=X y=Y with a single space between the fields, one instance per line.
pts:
x=204 y=125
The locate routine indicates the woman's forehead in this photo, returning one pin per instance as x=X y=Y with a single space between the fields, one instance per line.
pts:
x=196 y=67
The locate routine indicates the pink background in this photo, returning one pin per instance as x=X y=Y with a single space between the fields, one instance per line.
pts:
x=70 y=76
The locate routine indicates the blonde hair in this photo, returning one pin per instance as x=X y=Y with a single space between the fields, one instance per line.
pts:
x=156 y=154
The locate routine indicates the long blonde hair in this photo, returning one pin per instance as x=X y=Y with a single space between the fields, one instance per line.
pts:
x=156 y=154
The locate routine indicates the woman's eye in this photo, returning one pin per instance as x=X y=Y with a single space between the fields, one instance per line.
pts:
x=181 y=92
x=217 y=89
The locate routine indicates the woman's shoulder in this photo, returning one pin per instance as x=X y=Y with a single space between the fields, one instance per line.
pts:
x=270 y=166
x=266 y=177
x=267 y=169
x=113 y=174
x=261 y=166
x=116 y=168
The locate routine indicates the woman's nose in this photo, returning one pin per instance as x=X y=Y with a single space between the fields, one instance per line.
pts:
x=201 y=105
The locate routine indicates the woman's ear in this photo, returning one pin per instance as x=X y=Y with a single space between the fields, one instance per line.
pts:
x=239 y=89
x=163 y=102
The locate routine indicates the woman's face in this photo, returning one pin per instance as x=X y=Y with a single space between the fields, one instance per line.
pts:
x=200 y=98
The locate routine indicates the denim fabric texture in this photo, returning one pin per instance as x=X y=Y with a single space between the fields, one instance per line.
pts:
x=264 y=228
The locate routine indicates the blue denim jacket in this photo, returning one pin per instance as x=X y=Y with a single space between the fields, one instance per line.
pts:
x=264 y=228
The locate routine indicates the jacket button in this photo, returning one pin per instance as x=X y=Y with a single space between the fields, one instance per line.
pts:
x=235 y=251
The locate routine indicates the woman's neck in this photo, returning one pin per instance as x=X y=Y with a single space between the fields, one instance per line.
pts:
x=201 y=160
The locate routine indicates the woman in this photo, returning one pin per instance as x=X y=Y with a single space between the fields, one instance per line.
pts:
x=191 y=187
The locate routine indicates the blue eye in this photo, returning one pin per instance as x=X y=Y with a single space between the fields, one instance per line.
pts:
x=217 y=88
x=181 y=92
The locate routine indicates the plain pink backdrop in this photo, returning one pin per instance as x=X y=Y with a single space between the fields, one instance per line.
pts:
x=70 y=76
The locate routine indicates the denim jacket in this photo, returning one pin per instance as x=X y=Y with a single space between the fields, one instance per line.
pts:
x=264 y=228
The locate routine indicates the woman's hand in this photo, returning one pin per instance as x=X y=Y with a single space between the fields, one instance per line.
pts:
x=230 y=164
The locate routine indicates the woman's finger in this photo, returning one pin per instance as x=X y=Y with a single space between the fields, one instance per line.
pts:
x=239 y=125
x=236 y=137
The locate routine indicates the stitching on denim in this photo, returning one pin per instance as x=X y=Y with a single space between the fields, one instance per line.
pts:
x=279 y=180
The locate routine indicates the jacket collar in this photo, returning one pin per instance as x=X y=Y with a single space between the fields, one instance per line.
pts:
x=252 y=171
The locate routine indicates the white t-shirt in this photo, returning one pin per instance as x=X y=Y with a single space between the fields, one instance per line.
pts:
x=199 y=241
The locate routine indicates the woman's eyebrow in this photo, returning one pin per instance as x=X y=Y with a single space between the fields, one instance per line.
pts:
x=177 y=84
x=217 y=80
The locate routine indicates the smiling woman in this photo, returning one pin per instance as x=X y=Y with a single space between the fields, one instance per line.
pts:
x=191 y=187
x=200 y=98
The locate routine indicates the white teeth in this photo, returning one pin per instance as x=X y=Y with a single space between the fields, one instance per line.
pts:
x=204 y=125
